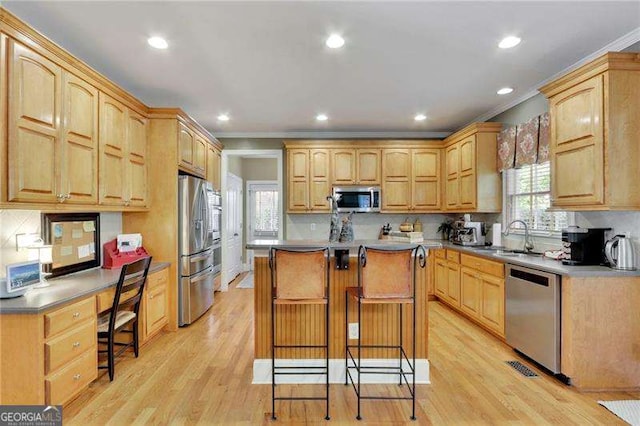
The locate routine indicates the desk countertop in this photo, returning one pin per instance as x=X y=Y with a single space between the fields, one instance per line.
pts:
x=66 y=289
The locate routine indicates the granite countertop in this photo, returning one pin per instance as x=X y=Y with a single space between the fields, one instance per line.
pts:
x=353 y=245
x=66 y=289
x=545 y=263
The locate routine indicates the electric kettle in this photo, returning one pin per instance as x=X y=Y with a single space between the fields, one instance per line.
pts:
x=620 y=253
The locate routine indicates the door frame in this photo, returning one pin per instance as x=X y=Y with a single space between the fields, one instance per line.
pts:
x=240 y=206
x=249 y=153
x=247 y=215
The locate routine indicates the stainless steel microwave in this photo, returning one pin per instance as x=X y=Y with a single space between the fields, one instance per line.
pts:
x=358 y=198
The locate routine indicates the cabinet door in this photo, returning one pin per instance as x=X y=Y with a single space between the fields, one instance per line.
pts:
x=34 y=127
x=467 y=173
x=470 y=291
x=137 y=152
x=199 y=155
x=452 y=190
x=112 y=151
x=319 y=179
x=185 y=147
x=426 y=179
x=211 y=163
x=441 y=274
x=343 y=164
x=298 y=179
x=453 y=283
x=79 y=150
x=577 y=140
x=368 y=166
x=156 y=309
x=216 y=171
x=396 y=179
x=492 y=307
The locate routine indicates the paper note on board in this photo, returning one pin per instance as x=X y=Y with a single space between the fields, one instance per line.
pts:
x=66 y=250
x=84 y=251
x=76 y=234
x=57 y=230
x=88 y=226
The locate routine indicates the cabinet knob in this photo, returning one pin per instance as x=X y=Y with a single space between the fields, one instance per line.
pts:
x=76 y=376
x=67 y=196
x=76 y=314
x=151 y=296
x=76 y=344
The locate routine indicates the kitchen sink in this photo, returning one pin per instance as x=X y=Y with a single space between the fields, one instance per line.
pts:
x=516 y=253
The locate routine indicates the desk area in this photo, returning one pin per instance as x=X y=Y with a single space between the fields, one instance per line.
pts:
x=48 y=345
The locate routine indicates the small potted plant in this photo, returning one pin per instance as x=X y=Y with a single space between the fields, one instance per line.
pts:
x=446 y=227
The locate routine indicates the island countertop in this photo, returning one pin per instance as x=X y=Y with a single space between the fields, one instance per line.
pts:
x=352 y=245
x=65 y=289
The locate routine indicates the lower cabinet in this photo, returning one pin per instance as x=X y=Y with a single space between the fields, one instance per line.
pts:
x=155 y=303
x=475 y=287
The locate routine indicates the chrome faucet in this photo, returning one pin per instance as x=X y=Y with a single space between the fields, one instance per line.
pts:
x=528 y=243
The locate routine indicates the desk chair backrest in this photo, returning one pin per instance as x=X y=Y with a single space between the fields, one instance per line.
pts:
x=299 y=274
x=133 y=276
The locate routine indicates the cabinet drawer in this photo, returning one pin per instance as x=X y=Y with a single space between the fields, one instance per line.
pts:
x=65 y=347
x=68 y=382
x=453 y=256
x=439 y=253
x=64 y=318
x=483 y=265
x=159 y=278
x=105 y=299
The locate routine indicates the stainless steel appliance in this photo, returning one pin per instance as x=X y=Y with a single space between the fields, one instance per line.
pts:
x=532 y=320
x=360 y=199
x=583 y=246
x=467 y=233
x=199 y=223
x=620 y=253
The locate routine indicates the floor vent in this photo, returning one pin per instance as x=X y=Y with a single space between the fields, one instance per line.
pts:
x=522 y=369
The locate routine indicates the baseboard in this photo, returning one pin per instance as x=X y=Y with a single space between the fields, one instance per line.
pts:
x=262 y=371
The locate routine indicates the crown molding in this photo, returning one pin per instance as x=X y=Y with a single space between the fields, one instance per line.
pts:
x=332 y=135
x=617 y=45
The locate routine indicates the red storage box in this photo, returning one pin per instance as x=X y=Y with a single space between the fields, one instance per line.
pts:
x=113 y=258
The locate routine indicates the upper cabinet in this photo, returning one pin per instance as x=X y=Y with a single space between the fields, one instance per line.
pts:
x=193 y=151
x=368 y=166
x=472 y=182
x=595 y=122
x=355 y=166
x=213 y=166
x=308 y=182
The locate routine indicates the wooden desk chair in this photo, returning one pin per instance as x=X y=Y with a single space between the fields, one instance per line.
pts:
x=132 y=279
x=385 y=276
x=299 y=277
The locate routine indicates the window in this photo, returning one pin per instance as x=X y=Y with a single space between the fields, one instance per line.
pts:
x=528 y=196
x=264 y=210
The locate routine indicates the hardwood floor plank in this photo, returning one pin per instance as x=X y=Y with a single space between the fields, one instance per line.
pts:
x=202 y=375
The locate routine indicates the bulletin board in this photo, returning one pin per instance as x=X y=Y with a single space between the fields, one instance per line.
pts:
x=74 y=240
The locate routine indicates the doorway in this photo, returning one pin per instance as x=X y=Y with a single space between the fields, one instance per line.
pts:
x=263 y=213
x=234 y=208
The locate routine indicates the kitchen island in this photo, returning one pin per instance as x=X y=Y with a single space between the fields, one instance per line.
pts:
x=304 y=324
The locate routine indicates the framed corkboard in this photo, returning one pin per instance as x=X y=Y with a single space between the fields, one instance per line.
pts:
x=74 y=240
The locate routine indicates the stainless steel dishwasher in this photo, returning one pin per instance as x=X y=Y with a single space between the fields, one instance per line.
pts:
x=532 y=308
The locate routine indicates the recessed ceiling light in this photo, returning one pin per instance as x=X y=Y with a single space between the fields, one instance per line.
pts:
x=223 y=117
x=505 y=91
x=157 y=42
x=335 y=41
x=420 y=117
x=509 y=42
x=322 y=117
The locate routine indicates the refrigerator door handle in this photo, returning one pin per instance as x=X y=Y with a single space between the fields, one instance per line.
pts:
x=201 y=275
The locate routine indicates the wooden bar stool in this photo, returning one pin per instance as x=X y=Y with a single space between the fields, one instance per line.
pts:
x=299 y=277
x=385 y=276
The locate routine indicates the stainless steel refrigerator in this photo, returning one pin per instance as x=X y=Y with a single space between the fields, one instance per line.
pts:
x=199 y=246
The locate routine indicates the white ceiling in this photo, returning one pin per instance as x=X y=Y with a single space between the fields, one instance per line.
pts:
x=266 y=65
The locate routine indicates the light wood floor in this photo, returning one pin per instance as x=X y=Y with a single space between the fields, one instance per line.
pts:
x=202 y=374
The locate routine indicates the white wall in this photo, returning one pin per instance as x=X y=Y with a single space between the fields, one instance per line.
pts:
x=14 y=222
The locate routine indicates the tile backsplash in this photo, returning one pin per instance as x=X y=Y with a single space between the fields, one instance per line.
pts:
x=14 y=222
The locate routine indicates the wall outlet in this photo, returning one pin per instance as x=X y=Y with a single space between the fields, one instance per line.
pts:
x=353 y=330
x=313 y=226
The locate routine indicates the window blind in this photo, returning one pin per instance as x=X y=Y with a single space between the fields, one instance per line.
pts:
x=266 y=213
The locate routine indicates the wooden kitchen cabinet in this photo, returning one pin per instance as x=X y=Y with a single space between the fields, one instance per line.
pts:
x=200 y=155
x=155 y=305
x=492 y=307
x=308 y=181
x=213 y=166
x=122 y=160
x=53 y=132
x=470 y=291
x=185 y=147
x=425 y=191
x=593 y=145
x=343 y=166
x=396 y=179
x=441 y=281
x=473 y=183
x=368 y=165
x=355 y=166
x=453 y=283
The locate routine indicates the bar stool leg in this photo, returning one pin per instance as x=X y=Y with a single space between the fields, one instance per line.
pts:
x=327 y=355
x=400 y=348
x=346 y=339
x=413 y=399
x=273 y=360
x=358 y=417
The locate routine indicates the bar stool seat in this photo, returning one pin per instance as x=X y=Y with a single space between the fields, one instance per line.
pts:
x=299 y=277
x=385 y=276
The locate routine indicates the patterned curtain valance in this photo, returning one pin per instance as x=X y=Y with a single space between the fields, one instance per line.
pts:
x=543 y=138
x=506 y=148
x=527 y=142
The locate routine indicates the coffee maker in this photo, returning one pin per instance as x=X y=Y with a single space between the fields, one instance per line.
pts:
x=467 y=233
x=583 y=246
